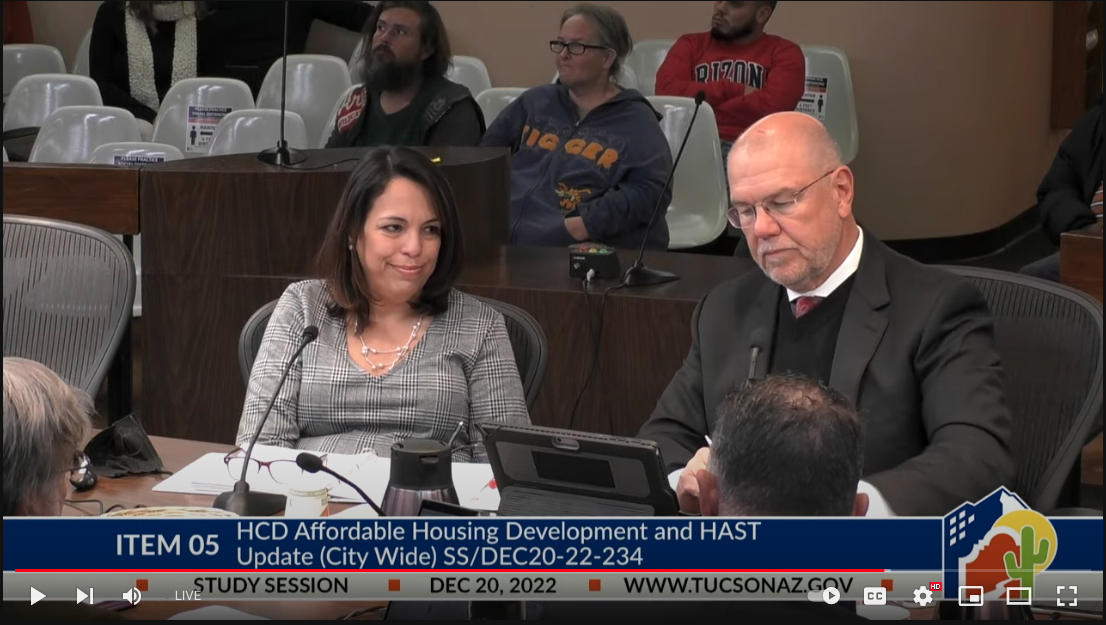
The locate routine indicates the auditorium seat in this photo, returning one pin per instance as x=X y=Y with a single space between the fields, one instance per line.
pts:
x=80 y=63
x=355 y=64
x=193 y=107
x=829 y=65
x=72 y=134
x=134 y=153
x=251 y=131
x=697 y=213
x=645 y=60
x=23 y=60
x=34 y=97
x=493 y=101
x=315 y=82
x=470 y=72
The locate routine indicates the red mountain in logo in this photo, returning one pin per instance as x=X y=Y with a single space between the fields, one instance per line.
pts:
x=988 y=569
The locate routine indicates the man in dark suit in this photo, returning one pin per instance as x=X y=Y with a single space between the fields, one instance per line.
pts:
x=911 y=345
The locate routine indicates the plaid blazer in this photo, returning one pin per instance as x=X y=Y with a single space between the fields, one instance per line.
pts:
x=463 y=369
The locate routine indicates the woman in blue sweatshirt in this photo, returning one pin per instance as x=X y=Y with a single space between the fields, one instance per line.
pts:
x=590 y=158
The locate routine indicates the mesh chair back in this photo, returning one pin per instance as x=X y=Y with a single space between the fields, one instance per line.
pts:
x=529 y=345
x=1050 y=339
x=68 y=292
x=249 y=342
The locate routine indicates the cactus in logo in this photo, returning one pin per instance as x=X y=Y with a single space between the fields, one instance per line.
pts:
x=1032 y=554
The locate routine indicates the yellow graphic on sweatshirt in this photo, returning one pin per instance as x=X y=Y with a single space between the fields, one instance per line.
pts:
x=591 y=150
x=568 y=198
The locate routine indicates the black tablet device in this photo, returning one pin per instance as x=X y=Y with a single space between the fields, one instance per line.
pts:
x=549 y=472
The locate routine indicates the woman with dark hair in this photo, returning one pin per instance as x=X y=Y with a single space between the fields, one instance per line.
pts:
x=139 y=50
x=400 y=354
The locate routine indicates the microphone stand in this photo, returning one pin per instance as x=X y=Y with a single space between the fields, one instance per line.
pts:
x=241 y=500
x=282 y=155
x=638 y=274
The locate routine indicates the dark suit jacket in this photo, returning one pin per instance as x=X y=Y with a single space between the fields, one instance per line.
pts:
x=915 y=353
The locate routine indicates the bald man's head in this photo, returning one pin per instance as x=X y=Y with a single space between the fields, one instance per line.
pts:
x=792 y=198
x=790 y=136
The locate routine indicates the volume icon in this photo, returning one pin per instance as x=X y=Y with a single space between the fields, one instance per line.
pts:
x=133 y=596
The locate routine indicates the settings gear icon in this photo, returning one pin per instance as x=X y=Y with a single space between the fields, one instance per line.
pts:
x=923 y=596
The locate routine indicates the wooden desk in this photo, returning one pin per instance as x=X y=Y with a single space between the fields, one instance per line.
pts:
x=1081 y=262
x=644 y=332
x=101 y=196
x=137 y=491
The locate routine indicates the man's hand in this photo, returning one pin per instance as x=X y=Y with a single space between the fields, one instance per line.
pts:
x=575 y=227
x=687 y=488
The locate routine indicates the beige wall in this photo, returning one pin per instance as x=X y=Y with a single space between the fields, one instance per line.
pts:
x=952 y=97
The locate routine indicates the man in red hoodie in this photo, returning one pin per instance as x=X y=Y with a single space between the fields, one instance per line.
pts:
x=745 y=73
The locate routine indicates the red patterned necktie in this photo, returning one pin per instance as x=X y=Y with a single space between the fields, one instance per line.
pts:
x=804 y=304
x=1096 y=203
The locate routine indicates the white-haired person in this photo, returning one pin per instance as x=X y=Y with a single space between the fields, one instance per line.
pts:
x=46 y=422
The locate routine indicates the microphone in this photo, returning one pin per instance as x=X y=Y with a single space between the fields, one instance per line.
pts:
x=757 y=340
x=241 y=500
x=282 y=154
x=638 y=274
x=313 y=464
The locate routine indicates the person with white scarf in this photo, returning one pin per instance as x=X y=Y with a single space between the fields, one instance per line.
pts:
x=139 y=50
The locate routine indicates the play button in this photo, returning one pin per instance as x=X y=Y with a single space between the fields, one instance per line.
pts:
x=831 y=595
x=36 y=596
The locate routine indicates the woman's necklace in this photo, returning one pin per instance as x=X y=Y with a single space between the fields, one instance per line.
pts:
x=400 y=351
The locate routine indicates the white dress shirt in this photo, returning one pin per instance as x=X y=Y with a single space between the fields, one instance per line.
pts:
x=839 y=276
x=877 y=505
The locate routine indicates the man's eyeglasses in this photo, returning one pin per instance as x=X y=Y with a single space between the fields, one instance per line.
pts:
x=574 y=48
x=745 y=215
x=282 y=471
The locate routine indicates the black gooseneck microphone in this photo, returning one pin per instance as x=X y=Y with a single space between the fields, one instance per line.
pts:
x=638 y=274
x=757 y=340
x=241 y=500
x=313 y=464
x=282 y=154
